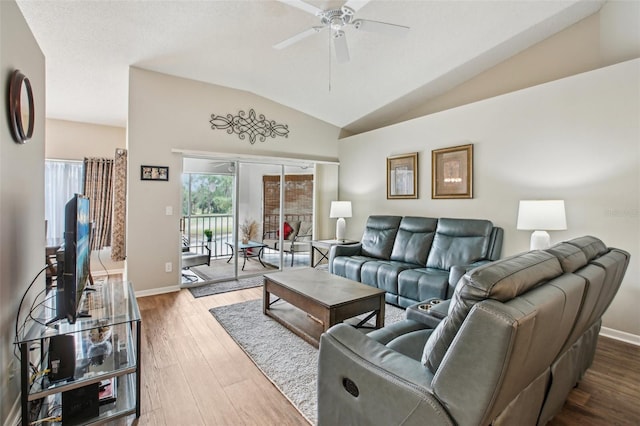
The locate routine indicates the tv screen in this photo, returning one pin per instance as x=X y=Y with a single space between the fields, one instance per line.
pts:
x=74 y=271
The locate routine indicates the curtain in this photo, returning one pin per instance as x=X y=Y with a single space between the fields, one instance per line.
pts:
x=62 y=179
x=118 y=229
x=98 y=186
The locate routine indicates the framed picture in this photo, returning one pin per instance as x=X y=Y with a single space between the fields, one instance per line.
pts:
x=452 y=172
x=154 y=173
x=402 y=176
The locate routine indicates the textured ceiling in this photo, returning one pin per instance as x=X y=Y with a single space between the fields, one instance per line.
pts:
x=89 y=46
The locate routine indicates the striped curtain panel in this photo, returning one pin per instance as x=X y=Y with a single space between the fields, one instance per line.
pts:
x=118 y=229
x=98 y=186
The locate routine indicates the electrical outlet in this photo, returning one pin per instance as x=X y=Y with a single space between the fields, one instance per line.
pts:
x=168 y=267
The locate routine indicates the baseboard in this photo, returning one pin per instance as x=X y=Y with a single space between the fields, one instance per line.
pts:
x=15 y=415
x=104 y=273
x=155 y=291
x=620 y=335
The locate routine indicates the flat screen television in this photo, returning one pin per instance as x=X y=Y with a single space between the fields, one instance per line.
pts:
x=73 y=261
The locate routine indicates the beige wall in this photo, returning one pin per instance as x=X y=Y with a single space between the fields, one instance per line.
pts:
x=167 y=113
x=22 y=238
x=575 y=139
x=608 y=37
x=71 y=140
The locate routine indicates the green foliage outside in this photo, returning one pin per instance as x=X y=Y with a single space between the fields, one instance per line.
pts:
x=210 y=194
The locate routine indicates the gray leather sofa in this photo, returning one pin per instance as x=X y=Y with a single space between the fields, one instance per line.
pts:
x=518 y=336
x=416 y=258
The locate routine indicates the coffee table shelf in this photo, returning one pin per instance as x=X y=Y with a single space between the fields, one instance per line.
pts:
x=317 y=300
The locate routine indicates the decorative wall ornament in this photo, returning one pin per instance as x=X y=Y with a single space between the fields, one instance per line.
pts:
x=253 y=127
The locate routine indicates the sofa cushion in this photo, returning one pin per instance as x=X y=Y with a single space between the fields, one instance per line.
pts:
x=383 y=274
x=423 y=283
x=379 y=235
x=459 y=242
x=350 y=266
x=591 y=246
x=414 y=239
x=571 y=257
x=501 y=280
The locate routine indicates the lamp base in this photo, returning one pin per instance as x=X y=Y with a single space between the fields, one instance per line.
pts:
x=540 y=240
x=340 y=226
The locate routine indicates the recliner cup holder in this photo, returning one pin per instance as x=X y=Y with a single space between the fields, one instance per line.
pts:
x=428 y=305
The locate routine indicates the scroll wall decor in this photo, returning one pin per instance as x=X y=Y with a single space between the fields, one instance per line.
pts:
x=255 y=127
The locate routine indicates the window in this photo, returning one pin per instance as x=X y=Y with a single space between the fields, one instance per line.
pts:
x=298 y=200
x=62 y=179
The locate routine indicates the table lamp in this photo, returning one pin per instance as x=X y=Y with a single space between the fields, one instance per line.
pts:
x=541 y=216
x=340 y=209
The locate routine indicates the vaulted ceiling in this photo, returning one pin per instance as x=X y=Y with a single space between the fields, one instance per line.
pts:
x=90 y=45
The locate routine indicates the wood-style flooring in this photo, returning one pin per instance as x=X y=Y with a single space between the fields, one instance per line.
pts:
x=193 y=373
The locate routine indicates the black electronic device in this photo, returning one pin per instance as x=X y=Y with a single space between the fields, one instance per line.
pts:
x=73 y=259
x=80 y=404
x=62 y=357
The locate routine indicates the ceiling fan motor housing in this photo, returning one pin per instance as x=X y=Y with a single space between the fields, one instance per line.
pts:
x=337 y=18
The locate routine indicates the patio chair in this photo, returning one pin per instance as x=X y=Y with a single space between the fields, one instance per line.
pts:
x=194 y=258
x=296 y=239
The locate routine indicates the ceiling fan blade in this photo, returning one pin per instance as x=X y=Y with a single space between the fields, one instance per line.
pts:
x=296 y=38
x=340 y=46
x=309 y=8
x=379 y=27
x=356 y=5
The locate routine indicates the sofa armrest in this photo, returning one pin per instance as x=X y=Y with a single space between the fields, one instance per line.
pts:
x=458 y=271
x=343 y=250
x=359 y=379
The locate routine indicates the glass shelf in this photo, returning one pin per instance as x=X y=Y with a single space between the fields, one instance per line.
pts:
x=106 y=346
x=109 y=304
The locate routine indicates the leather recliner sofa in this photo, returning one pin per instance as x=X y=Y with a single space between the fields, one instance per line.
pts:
x=416 y=258
x=519 y=334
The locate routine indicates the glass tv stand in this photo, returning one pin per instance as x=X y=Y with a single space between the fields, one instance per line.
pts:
x=101 y=358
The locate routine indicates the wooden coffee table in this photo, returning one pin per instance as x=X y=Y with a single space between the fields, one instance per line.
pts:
x=318 y=300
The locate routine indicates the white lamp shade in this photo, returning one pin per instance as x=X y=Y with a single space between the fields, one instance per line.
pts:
x=547 y=215
x=340 y=209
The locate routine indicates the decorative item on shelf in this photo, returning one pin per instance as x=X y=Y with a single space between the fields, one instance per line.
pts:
x=208 y=233
x=340 y=210
x=540 y=216
x=21 y=107
x=402 y=176
x=452 y=172
x=154 y=173
x=253 y=127
x=249 y=230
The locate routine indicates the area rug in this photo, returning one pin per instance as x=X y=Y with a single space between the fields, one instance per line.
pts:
x=289 y=362
x=225 y=286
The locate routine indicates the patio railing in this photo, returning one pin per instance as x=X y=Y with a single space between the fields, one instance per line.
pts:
x=221 y=226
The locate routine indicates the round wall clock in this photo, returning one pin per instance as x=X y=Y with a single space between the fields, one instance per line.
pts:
x=21 y=108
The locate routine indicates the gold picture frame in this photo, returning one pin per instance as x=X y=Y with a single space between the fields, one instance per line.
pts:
x=402 y=176
x=452 y=172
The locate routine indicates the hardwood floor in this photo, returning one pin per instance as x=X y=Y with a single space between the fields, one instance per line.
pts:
x=193 y=373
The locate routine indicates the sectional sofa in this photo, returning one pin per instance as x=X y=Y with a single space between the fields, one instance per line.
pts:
x=519 y=334
x=416 y=258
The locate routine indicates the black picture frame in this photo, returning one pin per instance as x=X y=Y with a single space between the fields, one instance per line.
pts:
x=154 y=173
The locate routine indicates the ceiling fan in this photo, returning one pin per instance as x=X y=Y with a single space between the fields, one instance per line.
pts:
x=336 y=20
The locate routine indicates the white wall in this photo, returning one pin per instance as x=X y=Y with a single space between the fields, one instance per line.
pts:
x=22 y=238
x=168 y=113
x=72 y=140
x=576 y=139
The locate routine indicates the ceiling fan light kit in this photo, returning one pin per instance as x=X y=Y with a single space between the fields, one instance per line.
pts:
x=336 y=20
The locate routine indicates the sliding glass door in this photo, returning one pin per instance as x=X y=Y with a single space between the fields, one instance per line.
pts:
x=234 y=211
